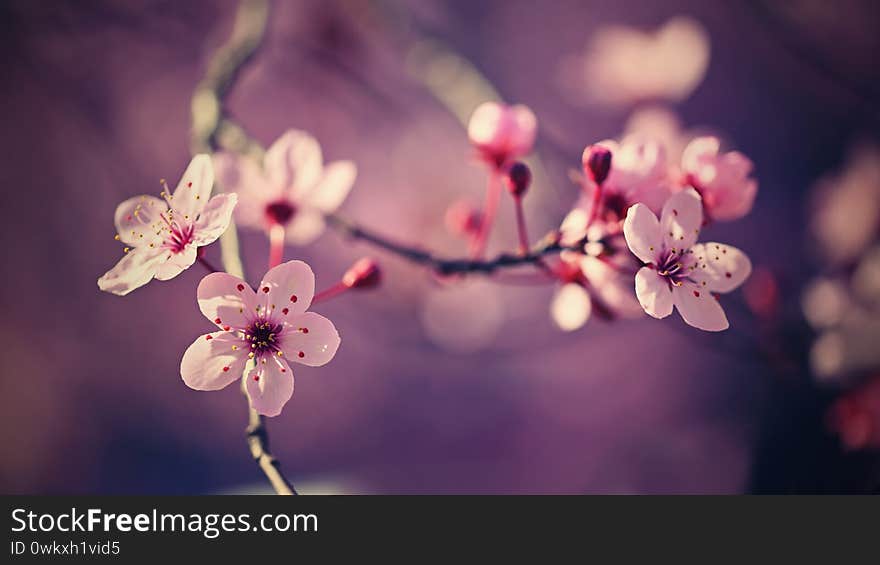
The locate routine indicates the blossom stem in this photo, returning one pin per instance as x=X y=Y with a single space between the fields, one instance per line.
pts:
x=207 y=264
x=330 y=292
x=594 y=209
x=258 y=441
x=276 y=245
x=521 y=226
x=493 y=195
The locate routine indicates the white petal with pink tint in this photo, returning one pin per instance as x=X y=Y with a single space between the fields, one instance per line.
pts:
x=211 y=363
x=522 y=135
x=699 y=308
x=305 y=227
x=176 y=263
x=329 y=193
x=570 y=307
x=290 y=285
x=682 y=219
x=135 y=269
x=138 y=219
x=269 y=386
x=642 y=231
x=214 y=219
x=245 y=177
x=294 y=162
x=311 y=339
x=721 y=267
x=194 y=188
x=653 y=293
x=228 y=299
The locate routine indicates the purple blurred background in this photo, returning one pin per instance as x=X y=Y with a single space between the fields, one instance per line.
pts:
x=95 y=104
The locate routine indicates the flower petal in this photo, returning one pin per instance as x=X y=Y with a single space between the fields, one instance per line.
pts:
x=294 y=162
x=653 y=293
x=611 y=287
x=211 y=363
x=522 y=135
x=699 y=308
x=333 y=187
x=227 y=299
x=305 y=227
x=214 y=219
x=194 y=188
x=682 y=219
x=135 y=269
x=245 y=177
x=139 y=219
x=270 y=386
x=642 y=232
x=310 y=339
x=721 y=267
x=290 y=285
x=176 y=263
x=570 y=307
x=700 y=149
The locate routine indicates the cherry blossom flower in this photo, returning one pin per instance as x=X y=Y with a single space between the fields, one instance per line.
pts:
x=721 y=179
x=293 y=189
x=624 y=65
x=268 y=327
x=679 y=271
x=162 y=236
x=639 y=173
x=597 y=280
x=502 y=133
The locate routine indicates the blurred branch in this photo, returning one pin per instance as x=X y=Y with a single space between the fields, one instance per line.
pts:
x=208 y=126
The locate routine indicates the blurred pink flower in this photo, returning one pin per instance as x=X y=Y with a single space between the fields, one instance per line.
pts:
x=292 y=189
x=624 y=65
x=639 y=173
x=845 y=215
x=163 y=235
x=679 y=270
x=855 y=416
x=722 y=180
x=268 y=326
x=502 y=133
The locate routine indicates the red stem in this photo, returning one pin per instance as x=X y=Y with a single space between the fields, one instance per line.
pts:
x=276 y=245
x=329 y=293
x=521 y=226
x=493 y=195
x=594 y=209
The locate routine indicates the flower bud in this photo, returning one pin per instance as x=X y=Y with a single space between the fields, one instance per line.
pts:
x=597 y=163
x=518 y=179
x=365 y=273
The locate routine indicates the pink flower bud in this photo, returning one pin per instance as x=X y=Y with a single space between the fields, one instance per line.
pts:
x=502 y=133
x=597 y=163
x=518 y=179
x=463 y=218
x=365 y=273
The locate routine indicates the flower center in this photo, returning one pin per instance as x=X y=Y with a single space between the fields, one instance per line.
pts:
x=180 y=237
x=263 y=336
x=280 y=212
x=671 y=267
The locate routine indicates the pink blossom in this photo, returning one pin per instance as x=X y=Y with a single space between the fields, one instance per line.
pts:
x=293 y=188
x=502 y=133
x=679 y=271
x=162 y=236
x=722 y=179
x=268 y=327
x=639 y=173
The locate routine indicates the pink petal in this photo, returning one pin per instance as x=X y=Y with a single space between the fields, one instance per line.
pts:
x=699 y=308
x=211 y=364
x=227 y=299
x=305 y=227
x=653 y=293
x=682 y=219
x=721 y=267
x=570 y=307
x=642 y=232
x=333 y=187
x=245 y=177
x=614 y=289
x=270 y=386
x=522 y=135
x=310 y=339
x=194 y=188
x=503 y=131
x=135 y=269
x=290 y=285
x=214 y=219
x=138 y=219
x=697 y=151
x=176 y=263
x=294 y=162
